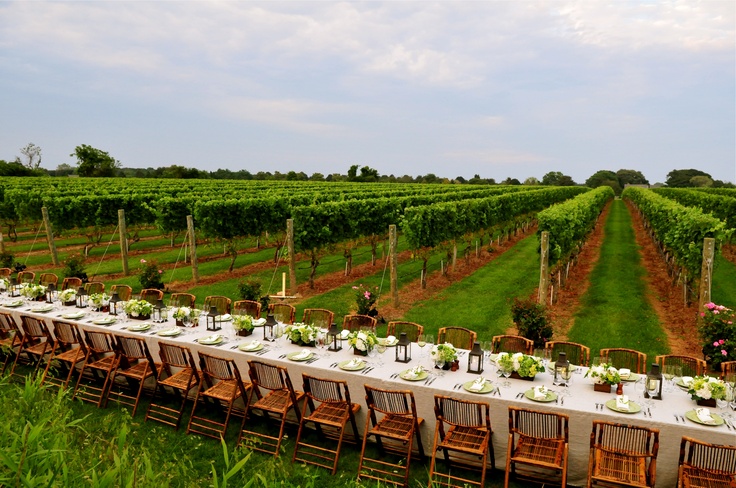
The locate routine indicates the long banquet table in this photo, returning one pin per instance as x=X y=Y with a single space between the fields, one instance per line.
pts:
x=580 y=405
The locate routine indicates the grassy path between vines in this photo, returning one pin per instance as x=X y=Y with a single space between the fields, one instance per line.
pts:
x=723 y=291
x=615 y=311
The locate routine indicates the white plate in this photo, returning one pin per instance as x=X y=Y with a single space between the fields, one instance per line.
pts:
x=172 y=332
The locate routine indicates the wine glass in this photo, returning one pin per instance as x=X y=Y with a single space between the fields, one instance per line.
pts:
x=506 y=372
x=640 y=387
x=421 y=342
x=668 y=375
x=652 y=386
x=381 y=348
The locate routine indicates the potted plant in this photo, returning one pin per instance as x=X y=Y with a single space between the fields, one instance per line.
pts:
x=301 y=334
x=243 y=324
x=138 y=309
x=184 y=315
x=717 y=329
x=604 y=377
x=68 y=296
x=532 y=321
x=444 y=356
x=366 y=301
x=521 y=365
x=705 y=390
x=362 y=342
x=100 y=301
x=33 y=291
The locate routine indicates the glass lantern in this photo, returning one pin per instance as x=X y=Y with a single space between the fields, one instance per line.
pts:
x=475 y=359
x=81 y=298
x=14 y=288
x=51 y=293
x=115 y=304
x=562 y=370
x=403 y=349
x=653 y=388
x=333 y=335
x=211 y=319
x=269 y=328
x=159 y=313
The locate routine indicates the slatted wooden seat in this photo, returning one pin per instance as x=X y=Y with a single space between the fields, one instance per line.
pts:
x=135 y=366
x=318 y=317
x=182 y=300
x=10 y=338
x=576 y=353
x=48 y=278
x=392 y=421
x=152 y=295
x=459 y=337
x=99 y=363
x=124 y=291
x=221 y=382
x=624 y=455
x=35 y=344
x=704 y=465
x=463 y=434
x=280 y=398
x=512 y=344
x=412 y=330
x=727 y=367
x=690 y=366
x=93 y=287
x=625 y=358
x=5 y=273
x=220 y=302
x=68 y=351
x=327 y=406
x=282 y=312
x=178 y=371
x=71 y=282
x=538 y=446
x=247 y=307
x=356 y=322
x=26 y=277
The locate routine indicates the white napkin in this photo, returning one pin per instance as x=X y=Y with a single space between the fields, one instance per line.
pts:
x=224 y=317
x=622 y=402
x=304 y=354
x=704 y=415
x=253 y=345
x=478 y=384
x=73 y=315
x=414 y=372
x=687 y=380
x=212 y=338
x=390 y=339
x=354 y=363
x=344 y=334
x=624 y=373
x=259 y=322
x=167 y=332
x=540 y=392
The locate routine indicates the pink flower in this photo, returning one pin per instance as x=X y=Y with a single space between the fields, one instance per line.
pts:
x=367 y=295
x=715 y=344
x=143 y=261
x=702 y=314
x=355 y=288
x=723 y=351
x=160 y=271
x=721 y=341
x=715 y=312
x=730 y=323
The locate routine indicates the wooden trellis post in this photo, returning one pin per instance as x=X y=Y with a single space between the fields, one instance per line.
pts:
x=392 y=244
x=544 y=268
x=49 y=236
x=292 y=256
x=193 y=248
x=123 y=241
x=706 y=271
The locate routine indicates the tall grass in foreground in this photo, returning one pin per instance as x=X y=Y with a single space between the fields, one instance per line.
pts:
x=615 y=311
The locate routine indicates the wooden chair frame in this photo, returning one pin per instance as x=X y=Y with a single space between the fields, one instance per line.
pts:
x=47 y=278
x=220 y=302
x=70 y=282
x=577 y=354
x=36 y=342
x=68 y=350
x=622 y=454
x=318 y=317
x=99 y=363
x=135 y=366
x=124 y=291
x=10 y=338
x=92 y=287
x=625 y=358
x=394 y=432
x=460 y=337
x=178 y=371
x=280 y=399
x=690 y=366
x=26 y=277
x=512 y=344
x=282 y=312
x=413 y=330
x=356 y=322
x=182 y=300
x=5 y=272
x=463 y=433
x=727 y=367
x=328 y=407
x=538 y=446
x=151 y=295
x=703 y=464
x=248 y=307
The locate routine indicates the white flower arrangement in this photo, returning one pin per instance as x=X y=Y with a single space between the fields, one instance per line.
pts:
x=243 y=322
x=707 y=387
x=604 y=374
x=33 y=291
x=99 y=300
x=362 y=340
x=443 y=353
x=68 y=295
x=138 y=308
x=525 y=366
x=300 y=332
x=184 y=313
x=4 y=284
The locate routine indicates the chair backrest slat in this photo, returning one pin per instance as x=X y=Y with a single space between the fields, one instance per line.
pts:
x=220 y=302
x=625 y=358
x=248 y=307
x=324 y=390
x=463 y=413
x=282 y=312
x=576 y=353
x=411 y=329
x=182 y=300
x=124 y=291
x=318 y=317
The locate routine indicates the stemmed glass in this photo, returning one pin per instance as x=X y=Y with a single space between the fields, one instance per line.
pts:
x=668 y=375
x=487 y=347
x=430 y=342
x=381 y=348
x=322 y=342
x=421 y=342
x=640 y=386
x=731 y=384
x=506 y=372
x=651 y=386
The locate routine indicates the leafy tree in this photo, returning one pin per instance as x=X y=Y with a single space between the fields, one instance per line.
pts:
x=317 y=177
x=15 y=168
x=368 y=174
x=353 y=173
x=566 y=181
x=631 y=177
x=681 y=178
x=511 y=181
x=531 y=181
x=555 y=178
x=94 y=162
x=701 y=181
x=599 y=177
x=32 y=155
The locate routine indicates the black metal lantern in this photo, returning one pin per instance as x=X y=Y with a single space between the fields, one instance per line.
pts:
x=562 y=370
x=268 y=328
x=14 y=287
x=159 y=313
x=475 y=359
x=81 y=297
x=653 y=388
x=403 y=349
x=333 y=336
x=115 y=304
x=211 y=319
x=51 y=293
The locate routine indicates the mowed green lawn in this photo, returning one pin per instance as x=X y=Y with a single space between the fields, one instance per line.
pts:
x=723 y=289
x=614 y=312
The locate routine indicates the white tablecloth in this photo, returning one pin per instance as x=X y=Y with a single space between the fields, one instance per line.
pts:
x=580 y=405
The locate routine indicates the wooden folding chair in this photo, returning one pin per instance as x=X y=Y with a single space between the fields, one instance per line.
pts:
x=319 y=317
x=625 y=358
x=178 y=371
x=463 y=434
x=152 y=295
x=36 y=343
x=5 y=273
x=394 y=432
x=704 y=465
x=459 y=337
x=328 y=407
x=512 y=344
x=182 y=300
x=135 y=366
x=690 y=366
x=356 y=322
x=48 y=278
x=727 y=367
x=26 y=277
x=68 y=350
x=538 y=446
x=280 y=399
x=221 y=382
x=247 y=307
x=94 y=287
x=283 y=312
x=577 y=354
x=71 y=282
x=220 y=302
x=99 y=363
x=625 y=455
x=412 y=330
x=10 y=338
x=124 y=291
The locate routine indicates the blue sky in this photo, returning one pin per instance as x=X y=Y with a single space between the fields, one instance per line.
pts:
x=501 y=89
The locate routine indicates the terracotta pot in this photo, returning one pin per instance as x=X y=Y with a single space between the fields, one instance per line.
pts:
x=707 y=403
x=245 y=333
x=603 y=387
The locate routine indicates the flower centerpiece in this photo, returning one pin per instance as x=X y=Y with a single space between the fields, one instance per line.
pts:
x=366 y=300
x=4 y=284
x=302 y=334
x=99 y=300
x=362 y=341
x=443 y=355
x=185 y=315
x=705 y=390
x=138 y=309
x=717 y=330
x=68 y=296
x=604 y=376
x=33 y=291
x=520 y=365
x=243 y=324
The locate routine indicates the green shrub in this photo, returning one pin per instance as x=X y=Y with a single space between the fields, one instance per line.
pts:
x=74 y=267
x=150 y=275
x=251 y=290
x=531 y=319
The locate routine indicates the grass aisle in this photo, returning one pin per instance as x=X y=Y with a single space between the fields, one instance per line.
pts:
x=723 y=290
x=482 y=300
x=614 y=312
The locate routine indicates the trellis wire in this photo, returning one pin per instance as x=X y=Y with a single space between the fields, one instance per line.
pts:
x=112 y=236
x=183 y=246
x=32 y=244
